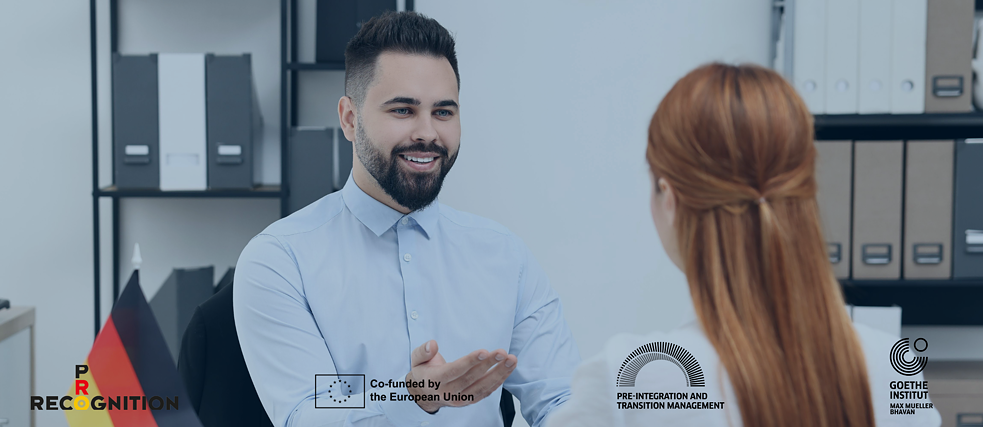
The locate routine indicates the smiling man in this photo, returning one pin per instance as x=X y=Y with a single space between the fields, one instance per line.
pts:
x=435 y=307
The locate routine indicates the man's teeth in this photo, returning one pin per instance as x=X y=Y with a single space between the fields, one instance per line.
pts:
x=419 y=159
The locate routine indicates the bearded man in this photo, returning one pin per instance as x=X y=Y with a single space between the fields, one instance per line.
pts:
x=378 y=305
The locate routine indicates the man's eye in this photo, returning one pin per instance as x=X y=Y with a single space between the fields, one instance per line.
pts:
x=443 y=113
x=401 y=111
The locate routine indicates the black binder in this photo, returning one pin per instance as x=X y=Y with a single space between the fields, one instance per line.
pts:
x=967 y=230
x=136 y=125
x=234 y=124
x=339 y=20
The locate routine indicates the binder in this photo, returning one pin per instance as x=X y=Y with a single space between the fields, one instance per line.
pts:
x=948 y=54
x=181 y=95
x=842 y=32
x=345 y=160
x=233 y=121
x=135 y=125
x=809 y=57
x=873 y=89
x=339 y=20
x=967 y=235
x=908 y=35
x=176 y=300
x=928 y=209
x=226 y=279
x=877 y=179
x=834 y=168
x=311 y=166
x=884 y=319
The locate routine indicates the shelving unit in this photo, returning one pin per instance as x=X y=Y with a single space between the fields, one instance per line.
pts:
x=269 y=191
x=924 y=302
x=899 y=126
x=289 y=69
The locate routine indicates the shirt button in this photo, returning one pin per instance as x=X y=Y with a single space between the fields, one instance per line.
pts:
x=404 y=221
x=407 y=257
x=414 y=315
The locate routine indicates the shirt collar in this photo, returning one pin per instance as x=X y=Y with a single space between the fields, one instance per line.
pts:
x=378 y=217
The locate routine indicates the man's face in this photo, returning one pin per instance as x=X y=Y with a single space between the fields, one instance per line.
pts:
x=407 y=131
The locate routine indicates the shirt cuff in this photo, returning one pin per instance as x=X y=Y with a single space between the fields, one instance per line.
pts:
x=406 y=414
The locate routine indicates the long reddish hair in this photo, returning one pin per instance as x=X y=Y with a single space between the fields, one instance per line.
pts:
x=736 y=145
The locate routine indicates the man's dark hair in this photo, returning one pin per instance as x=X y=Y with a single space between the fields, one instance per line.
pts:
x=401 y=32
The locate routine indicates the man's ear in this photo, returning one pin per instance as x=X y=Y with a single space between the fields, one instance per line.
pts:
x=346 y=115
x=668 y=200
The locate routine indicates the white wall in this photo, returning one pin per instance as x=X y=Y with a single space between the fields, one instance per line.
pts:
x=45 y=207
x=556 y=97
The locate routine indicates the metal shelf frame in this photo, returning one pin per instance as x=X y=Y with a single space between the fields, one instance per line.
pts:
x=288 y=120
x=261 y=192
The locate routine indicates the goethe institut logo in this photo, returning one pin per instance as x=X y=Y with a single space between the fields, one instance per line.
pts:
x=632 y=396
x=907 y=396
x=900 y=361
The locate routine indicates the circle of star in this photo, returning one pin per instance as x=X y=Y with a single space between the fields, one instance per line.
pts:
x=343 y=386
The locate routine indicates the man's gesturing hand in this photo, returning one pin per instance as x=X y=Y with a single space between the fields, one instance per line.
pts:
x=469 y=375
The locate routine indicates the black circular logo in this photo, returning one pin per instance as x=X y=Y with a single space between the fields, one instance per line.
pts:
x=660 y=351
x=900 y=362
x=341 y=388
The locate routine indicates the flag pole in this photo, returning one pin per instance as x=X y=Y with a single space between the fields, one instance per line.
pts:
x=136 y=260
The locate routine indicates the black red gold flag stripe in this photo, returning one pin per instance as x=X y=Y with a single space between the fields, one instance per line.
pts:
x=130 y=358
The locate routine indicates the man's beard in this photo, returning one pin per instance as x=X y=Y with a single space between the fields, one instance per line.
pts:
x=413 y=191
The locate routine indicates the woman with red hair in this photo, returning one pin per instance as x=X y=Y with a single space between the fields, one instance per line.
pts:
x=731 y=155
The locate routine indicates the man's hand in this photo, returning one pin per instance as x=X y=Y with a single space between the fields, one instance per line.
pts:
x=469 y=375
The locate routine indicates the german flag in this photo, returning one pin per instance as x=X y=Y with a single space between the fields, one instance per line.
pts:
x=131 y=369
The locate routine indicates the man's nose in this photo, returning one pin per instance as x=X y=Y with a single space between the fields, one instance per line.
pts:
x=424 y=130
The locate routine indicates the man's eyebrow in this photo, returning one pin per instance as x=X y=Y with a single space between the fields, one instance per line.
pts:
x=445 y=103
x=402 y=100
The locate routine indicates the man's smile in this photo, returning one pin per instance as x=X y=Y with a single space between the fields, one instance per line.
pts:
x=420 y=161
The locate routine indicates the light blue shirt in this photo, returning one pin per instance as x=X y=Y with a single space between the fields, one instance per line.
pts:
x=348 y=285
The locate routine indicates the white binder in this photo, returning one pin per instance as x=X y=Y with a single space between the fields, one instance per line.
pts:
x=874 y=88
x=809 y=54
x=181 y=94
x=909 y=23
x=842 y=31
x=885 y=319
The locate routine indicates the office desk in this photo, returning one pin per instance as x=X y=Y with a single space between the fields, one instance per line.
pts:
x=16 y=366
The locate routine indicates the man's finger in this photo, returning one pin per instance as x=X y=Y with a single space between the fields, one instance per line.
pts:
x=477 y=371
x=492 y=380
x=451 y=371
x=423 y=353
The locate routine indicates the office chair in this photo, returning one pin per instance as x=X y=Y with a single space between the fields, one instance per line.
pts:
x=213 y=370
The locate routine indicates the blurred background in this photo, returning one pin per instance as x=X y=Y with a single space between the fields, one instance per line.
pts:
x=556 y=97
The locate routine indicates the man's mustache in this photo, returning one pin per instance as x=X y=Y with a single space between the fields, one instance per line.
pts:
x=420 y=147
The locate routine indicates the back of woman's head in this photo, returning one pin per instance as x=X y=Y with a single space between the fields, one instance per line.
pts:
x=735 y=144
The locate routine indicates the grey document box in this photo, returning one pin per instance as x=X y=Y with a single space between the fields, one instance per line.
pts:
x=967 y=233
x=928 y=210
x=234 y=124
x=136 y=154
x=311 y=172
x=877 y=178
x=834 y=167
x=176 y=300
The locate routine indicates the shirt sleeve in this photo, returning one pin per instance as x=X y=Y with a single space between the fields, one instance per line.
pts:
x=588 y=406
x=542 y=342
x=283 y=346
